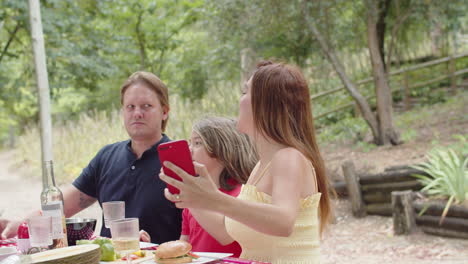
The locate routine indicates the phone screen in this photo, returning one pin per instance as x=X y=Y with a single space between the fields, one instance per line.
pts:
x=177 y=152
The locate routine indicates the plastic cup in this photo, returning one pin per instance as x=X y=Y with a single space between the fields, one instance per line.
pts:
x=114 y=210
x=40 y=231
x=126 y=236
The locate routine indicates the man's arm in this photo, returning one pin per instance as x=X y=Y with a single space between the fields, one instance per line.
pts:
x=75 y=200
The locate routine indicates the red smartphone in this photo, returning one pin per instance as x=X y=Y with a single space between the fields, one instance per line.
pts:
x=177 y=152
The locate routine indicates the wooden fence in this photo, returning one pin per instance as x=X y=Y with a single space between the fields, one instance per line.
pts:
x=391 y=193
x=451 y=74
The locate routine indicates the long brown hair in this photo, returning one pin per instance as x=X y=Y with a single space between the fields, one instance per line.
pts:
x=234 y=150
x=154 y=83
x=282 y=111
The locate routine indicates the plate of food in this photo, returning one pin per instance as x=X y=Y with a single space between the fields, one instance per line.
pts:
x=178 y=251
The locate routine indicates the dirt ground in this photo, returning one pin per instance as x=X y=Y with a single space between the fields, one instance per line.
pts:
x=348 y=240
x=370 y=239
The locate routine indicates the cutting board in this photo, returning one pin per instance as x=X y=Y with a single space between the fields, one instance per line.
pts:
x=149 y=256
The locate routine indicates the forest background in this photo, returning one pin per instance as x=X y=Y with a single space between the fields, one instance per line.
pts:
x=199 y=48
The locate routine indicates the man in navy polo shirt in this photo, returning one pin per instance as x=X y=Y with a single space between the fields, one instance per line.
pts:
x=128 y=170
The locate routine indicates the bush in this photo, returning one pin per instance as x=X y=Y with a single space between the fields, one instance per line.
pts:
x=447 y=176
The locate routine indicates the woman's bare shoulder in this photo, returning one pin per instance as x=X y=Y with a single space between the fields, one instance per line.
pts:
x=289 y=157
x=293 y=153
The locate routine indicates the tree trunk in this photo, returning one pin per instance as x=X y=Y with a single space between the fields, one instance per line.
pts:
x=248 y=58
x=436 y=33
x=384 y=6
x=387 y=133
x=339 y=68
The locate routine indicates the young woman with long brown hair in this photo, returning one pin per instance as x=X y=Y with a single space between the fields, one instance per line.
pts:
x=284 y=206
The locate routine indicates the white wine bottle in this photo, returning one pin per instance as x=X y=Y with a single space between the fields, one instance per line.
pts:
x=52 y=205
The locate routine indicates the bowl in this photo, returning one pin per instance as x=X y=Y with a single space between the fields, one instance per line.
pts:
x=79 y=228
x=5 y=252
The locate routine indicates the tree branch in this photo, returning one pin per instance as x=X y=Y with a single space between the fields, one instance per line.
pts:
x=141 y=40
x=10 y=40
x=339 y=68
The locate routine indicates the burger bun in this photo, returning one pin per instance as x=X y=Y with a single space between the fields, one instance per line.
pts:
x=173 y=249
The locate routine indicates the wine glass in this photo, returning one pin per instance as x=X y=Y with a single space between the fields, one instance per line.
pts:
x=125 y=236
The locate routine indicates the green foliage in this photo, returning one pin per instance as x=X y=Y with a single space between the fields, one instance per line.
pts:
x=348 y=129
x=193 y=46
x=448 y=176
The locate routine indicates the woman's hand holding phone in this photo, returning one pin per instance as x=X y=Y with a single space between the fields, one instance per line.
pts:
x=178 y=153
x=195 y=192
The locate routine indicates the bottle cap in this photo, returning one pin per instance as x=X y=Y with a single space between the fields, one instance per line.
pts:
x=23 y=231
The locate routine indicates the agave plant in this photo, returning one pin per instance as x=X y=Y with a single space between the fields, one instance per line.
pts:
x=447 y=177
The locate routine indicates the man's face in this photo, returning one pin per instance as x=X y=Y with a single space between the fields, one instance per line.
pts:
x=143 y=113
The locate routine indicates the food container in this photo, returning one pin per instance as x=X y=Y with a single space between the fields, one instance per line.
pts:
x=79 y=228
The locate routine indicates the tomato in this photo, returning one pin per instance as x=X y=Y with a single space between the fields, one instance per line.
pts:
x=193 y=255
x=132 y=257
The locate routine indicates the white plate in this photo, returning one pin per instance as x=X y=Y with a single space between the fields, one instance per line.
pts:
x=204 y=257
x=146 y=244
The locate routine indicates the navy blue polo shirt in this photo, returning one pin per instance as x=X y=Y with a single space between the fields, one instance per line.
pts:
x=115 y=174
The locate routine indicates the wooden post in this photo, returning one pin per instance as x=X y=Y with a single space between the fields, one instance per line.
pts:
x=42 y=80
x=453 y=82
x=407 y=95
x=354 y=189
x=403 y=212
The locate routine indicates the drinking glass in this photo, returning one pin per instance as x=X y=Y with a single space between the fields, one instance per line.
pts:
x=40 y=231
x=113 y=211
x=125 y=236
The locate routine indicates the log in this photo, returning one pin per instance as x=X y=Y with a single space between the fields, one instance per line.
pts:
x=436 y=209
x=444 y=232
x=450 y=223
x=377 y=197
x=390 y=176
x=397 y=168
x=340 y=188
x=392 y=186
x=383 y=209
x=354 y=189
x=403 y=212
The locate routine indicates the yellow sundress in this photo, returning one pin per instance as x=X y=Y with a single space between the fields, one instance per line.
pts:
x=302 y=246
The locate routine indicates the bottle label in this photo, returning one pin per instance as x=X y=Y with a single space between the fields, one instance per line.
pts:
x=55 y=210
x=23 y=245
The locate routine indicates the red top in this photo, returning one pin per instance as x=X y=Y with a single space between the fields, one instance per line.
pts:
x=201 y=240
